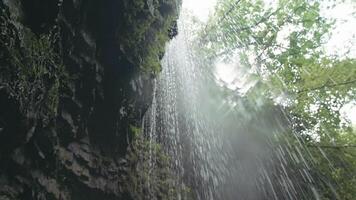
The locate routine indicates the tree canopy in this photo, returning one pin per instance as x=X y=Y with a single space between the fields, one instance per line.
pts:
x=283 y=46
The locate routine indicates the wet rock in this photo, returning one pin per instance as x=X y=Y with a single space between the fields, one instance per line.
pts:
x=77 y=151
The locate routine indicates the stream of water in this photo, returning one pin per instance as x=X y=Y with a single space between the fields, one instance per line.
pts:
x=216 y=154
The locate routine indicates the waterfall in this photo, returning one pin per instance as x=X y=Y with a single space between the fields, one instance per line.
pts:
x=215 y=159
x=174 y=120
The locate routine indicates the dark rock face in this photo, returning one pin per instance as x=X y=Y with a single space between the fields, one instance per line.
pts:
x=64 y=127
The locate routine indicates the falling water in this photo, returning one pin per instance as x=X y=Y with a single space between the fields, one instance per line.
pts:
x=215 y=154
x=174 y=120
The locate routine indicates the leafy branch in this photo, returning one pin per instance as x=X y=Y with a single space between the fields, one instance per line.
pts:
x=327 y=86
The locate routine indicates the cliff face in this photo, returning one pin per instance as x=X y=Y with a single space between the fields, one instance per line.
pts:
x=75 y=77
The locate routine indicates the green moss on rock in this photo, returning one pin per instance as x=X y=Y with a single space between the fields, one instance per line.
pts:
x=31 y=72
x=149 y=172
x=148 y=24
x=65 y=74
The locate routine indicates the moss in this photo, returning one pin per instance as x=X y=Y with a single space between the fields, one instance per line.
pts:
x=148 y=26
x=135 y=131
x=149 y=174
x=32 y=72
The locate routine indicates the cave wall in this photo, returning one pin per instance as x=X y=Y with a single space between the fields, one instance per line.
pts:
x=75 y=75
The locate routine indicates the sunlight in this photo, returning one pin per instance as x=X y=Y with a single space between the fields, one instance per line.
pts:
x=200 y=8
x=348 y=111
x=226 y=74
x=342 y=41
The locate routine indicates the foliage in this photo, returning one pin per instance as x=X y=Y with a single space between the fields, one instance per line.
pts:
x=321 y=91
x=283 y=44
x=336 y=164
x=135 y=131
x=144 y=38
x=31 y=69
x=253 y=26
x=149 y=172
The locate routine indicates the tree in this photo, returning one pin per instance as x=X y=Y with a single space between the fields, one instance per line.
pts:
x=283 y=43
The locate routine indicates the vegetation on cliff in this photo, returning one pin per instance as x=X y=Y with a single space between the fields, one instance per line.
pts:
x=282 y=47
x=148 y=26
x=63 y=76
x=149 y=174
x=32 y=70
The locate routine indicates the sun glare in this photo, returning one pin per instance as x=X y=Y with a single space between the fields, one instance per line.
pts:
x=200 y=8
x=349 y=112
x=227 y=74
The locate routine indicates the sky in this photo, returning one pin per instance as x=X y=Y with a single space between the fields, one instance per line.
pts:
x=200 y=8
x=349 y=112
x=342 y=40
x=342 y=37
